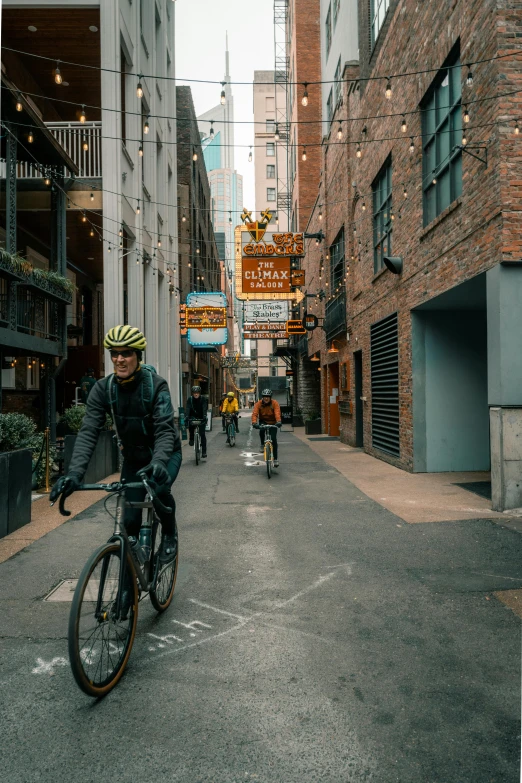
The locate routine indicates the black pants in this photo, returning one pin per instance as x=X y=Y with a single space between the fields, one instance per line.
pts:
x=273 y=435
x=133 y=516
x=202 y=434
x=235 y=419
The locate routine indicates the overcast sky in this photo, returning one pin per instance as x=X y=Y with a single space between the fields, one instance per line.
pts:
x=201 y=27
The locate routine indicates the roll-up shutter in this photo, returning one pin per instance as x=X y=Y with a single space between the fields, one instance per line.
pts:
x=385 y=385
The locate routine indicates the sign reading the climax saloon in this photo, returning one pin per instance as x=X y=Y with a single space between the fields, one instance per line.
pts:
x=266 y=275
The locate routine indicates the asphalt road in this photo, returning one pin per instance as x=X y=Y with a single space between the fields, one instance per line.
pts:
x=313 y=637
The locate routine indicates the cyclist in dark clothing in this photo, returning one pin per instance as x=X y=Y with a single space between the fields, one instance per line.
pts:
x=139 y=402
x=87 y=383
x=197 y=407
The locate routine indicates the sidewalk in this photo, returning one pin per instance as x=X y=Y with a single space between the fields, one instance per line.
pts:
x=414 y=497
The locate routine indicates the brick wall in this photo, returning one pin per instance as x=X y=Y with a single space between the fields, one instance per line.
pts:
x=477 y=231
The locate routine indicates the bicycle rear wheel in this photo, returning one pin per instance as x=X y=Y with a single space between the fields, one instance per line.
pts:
x=164 y=581
x=268 y=459
x=101 y=633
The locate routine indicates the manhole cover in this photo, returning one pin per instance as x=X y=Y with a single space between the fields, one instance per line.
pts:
x=64 y=592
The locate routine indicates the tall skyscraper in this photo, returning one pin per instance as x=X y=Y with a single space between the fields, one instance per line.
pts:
x=226 y=186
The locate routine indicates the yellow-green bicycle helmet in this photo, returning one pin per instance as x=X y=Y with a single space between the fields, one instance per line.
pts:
x=125 y=337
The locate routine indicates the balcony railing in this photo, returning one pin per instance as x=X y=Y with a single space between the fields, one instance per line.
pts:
x=36 y=315
x=335 y=316
x=72 y=136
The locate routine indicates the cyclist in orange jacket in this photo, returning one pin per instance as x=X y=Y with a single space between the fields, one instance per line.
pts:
x=267 y=411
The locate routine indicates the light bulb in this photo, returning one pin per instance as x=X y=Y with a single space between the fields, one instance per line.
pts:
x=250 y=155
x=120 y=232
x=146 y=127
x=320 y=214
x=364 y=206
x=304 y=99
x=412 y=145
x=340 y=132
x=183 y=218
x=82 y=114
x=469 y=77
x=359 y=151
x=138 y=208
x=57 y=75
x=159 y=241
x=30 y=138
x=517 y=129
x=109 y=249
x=84 y=218
x=464 y=139
x=140 y=151
x=466 y=114
x=47 y=181
x=303 y=156
x=19 y=106
x=91 y=232
x=388 y=92
x=92 y=196
x=139 y=90
x=211 y=134
x=404 y=127
x=85 y=145
x=405 y=192
x=194 y=156
x=223 y=98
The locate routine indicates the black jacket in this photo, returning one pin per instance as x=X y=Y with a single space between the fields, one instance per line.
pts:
x=192 y=413
x=146 y=430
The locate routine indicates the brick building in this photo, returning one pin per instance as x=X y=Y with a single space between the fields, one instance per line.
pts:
x=199 y=266
x=419 y=278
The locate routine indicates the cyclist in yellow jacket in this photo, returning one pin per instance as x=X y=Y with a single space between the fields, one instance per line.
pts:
x=231 y=407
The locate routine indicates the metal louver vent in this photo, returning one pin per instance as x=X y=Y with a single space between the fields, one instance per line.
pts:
x=385 y=385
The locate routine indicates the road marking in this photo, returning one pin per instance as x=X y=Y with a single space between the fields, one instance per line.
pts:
x=215 y=609
x=192 y=625
x=47 y=667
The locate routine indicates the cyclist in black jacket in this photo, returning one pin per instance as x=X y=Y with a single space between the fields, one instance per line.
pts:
x=141 y=408
x=197 y=407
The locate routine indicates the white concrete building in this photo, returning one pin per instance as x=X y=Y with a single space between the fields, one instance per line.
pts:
x=339 y=45
x=127 y=188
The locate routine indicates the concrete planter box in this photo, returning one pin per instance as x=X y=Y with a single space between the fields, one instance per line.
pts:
x=313 y=427
x=103 y=462
x=16 y=469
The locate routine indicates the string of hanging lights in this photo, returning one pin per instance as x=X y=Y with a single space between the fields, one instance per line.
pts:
x=374 y=78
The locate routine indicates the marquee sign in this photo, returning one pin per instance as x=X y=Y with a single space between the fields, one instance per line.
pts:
x=265 y=311
x=263 y=268
x=205 y=317
x=213 y=304
x=295 y=327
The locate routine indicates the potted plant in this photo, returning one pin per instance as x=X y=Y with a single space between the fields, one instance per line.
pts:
x=313 y=424
x=19 y=441
x=104 y=461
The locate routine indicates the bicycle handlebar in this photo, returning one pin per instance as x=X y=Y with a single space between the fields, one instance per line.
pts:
x=118 y=486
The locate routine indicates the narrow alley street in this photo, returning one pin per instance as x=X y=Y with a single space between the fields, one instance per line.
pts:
x=313 y=636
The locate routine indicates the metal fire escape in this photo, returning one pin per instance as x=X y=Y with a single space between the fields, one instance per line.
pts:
x=282 y=108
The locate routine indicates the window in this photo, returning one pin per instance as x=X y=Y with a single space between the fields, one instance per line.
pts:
x=336 y=7
x=329 y=107
x=270 y=194
x=270 y=171
x=441 y=135
x=378 y=10
x=270 y=149
x=328 y=31
x=337 y=261
x=337 y=82
x=382 y=211
x=270 y=126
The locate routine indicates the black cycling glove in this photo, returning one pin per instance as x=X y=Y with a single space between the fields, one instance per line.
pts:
x=157 y=471
x=65 y=485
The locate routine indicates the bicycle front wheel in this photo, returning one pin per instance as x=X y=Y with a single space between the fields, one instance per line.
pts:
x=232 y=435
x=102 y=622
x=164 y=580
x=197 y=447
x=268 y=459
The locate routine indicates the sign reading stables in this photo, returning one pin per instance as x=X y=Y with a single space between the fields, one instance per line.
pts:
x=266 y=275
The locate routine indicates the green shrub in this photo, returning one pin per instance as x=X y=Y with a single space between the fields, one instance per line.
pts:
x=19 y=432
x=312 y=415
x=73 y=418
